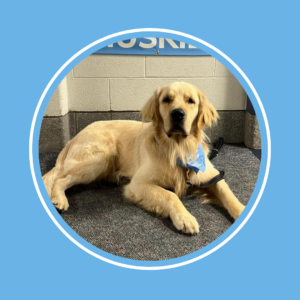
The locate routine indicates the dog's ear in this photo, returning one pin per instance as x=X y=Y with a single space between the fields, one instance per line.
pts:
x=150 y=111
x=207 y=113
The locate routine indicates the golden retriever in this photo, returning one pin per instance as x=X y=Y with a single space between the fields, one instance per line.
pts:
x=146 y=153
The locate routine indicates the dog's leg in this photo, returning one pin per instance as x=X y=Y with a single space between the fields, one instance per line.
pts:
x=222 y=191
x=50 y=177
x=83 y=172
x=156 y=199
x=49 y=180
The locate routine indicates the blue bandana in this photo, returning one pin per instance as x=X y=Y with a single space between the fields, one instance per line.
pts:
x=195 y=165
x=198 y=164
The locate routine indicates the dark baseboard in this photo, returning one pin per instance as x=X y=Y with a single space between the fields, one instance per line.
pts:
x=57 y=131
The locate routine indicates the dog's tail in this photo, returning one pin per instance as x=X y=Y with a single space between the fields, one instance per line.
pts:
x=50 y=177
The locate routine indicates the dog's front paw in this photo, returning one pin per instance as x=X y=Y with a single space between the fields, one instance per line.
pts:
x=60 y=203
x=185 y=222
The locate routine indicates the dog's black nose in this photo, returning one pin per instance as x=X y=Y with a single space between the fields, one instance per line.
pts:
x=177 y=115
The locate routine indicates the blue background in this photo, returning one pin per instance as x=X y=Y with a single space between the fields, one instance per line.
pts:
x=39 y=262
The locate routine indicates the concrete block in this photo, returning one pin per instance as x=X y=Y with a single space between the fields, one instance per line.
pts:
x=230 y=126
x=221 y=70
x=108 y=66
x=132 y=94
x=179 y=66
x=52 y=135
x=207 y=131
x=252 y=133
x=225 y=93
x=126 y=115
x=58 y=104
x=72 y=124
x=85 y=119
x=88 y=94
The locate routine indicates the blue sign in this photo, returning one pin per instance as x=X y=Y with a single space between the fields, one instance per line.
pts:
x=151 y=46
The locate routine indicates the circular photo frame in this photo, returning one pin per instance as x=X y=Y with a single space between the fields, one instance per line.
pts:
x=124 y=262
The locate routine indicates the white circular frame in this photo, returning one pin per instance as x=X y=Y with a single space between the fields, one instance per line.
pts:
x=139 y=31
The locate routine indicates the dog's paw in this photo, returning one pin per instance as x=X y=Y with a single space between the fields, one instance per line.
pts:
x=236 y=210
x=185 y=222
x=60 y=203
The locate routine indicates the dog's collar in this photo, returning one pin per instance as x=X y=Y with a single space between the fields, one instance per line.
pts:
x=196 y=165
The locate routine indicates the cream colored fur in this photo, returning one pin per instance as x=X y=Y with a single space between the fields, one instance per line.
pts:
x=145 y=154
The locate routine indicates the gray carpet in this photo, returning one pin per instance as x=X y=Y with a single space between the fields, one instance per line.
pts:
x=103 y=217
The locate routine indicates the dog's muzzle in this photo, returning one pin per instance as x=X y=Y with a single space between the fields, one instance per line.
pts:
x=177 y=118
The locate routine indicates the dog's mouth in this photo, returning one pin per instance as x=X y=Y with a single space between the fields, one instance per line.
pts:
x=177 y=130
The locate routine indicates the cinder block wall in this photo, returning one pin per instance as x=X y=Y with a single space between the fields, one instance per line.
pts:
x=103 y=87
x=125 y=82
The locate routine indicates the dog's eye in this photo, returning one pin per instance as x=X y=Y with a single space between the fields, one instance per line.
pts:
x=191 y=101
x=166 y=100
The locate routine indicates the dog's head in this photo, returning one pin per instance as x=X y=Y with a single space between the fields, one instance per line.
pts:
x=180 y=109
